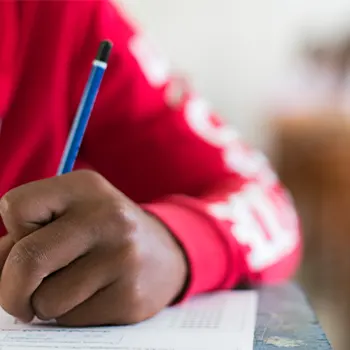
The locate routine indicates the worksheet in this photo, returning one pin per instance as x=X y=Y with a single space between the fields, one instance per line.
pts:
x=218 y=321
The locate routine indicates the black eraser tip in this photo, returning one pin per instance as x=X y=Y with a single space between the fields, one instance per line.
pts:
x=104 y=51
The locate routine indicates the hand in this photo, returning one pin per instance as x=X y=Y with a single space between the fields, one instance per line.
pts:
x=80 y=252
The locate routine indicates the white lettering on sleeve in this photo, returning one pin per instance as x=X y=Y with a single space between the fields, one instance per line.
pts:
x=155 y=68
x=238 y=158
x=260 y=225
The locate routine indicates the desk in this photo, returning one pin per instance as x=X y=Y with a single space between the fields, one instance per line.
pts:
x=286 y=321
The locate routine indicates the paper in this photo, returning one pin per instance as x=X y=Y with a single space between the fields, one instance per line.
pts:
x=220 y=321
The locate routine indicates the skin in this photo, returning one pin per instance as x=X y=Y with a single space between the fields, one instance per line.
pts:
x=82 y=253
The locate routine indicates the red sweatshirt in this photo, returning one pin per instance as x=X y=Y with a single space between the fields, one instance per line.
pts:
x=149 y=135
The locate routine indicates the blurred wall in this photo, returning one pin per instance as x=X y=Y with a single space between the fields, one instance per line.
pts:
x=234 y=49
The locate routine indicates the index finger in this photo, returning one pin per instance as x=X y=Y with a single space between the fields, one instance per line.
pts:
x=27 y=208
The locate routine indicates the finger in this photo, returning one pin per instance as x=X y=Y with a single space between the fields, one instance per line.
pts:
x=113 y=305
x=33 y=205
x=6 y=244
x=37 y=256
x=71 y=286
x=28 y=207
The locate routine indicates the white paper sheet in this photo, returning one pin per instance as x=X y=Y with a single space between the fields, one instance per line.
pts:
x=220 y=321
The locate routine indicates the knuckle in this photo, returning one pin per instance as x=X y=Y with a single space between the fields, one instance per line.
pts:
x=122 y=215
x=139 y=309
x=111 y=223
x=93 y=177
x=8 y=203
x=27 y=255
x=94 y=184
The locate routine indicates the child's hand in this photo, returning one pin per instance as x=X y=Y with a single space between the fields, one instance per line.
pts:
x=84 y=254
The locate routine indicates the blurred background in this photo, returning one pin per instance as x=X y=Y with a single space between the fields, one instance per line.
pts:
x=279 y=71
x=234 y=50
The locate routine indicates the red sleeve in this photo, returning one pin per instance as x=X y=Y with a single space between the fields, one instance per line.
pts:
x=160 y=144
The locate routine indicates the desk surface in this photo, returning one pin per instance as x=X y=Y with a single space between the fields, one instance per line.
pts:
x=286 y=321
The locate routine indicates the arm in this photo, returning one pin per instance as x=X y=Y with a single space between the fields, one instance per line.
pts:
x=171 y=154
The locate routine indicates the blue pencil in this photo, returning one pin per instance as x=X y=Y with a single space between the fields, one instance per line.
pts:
x=83 y=113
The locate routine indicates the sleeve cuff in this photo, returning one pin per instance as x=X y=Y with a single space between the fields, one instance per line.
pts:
x=199 y=236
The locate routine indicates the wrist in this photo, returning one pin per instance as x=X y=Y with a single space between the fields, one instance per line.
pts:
x=175 y=260
x=205 y=253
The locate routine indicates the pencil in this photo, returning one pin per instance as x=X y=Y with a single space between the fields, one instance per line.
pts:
x=84 y=110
